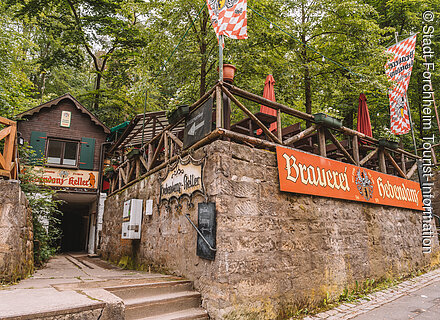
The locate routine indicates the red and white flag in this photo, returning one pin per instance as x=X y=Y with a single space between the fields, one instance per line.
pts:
x=228 y=17
x=398 y=69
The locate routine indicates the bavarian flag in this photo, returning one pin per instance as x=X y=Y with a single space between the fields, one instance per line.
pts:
x=228 y=17
x=398 y=69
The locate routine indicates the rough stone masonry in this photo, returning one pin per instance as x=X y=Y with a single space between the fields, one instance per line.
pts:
x=16 y=237
x=274 y=249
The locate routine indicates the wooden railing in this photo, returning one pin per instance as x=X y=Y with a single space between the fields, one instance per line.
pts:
x=8 y=157
x=343 y=144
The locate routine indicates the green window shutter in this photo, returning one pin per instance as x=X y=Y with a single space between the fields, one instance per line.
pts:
x=87 y=153
x=38 y=144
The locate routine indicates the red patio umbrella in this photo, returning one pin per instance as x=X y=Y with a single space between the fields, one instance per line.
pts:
x=269 y=93
x=364 y=124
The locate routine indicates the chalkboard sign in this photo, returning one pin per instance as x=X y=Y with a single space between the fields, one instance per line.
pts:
x=199 y=124
x=207 y=224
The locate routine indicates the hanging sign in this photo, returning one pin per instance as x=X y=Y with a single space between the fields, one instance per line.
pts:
x=305 y=173
x=66 y=116
x=398 y=69
x=184 y=179
x=56 y=177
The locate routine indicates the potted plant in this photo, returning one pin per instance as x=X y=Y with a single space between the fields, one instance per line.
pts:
x=109 y=172
x=132 y=152
x=327 y=120
x=229 y=72
x=175 y=113
x=388 y=139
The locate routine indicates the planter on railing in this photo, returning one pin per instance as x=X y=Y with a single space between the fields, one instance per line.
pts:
x=109 y=172
x=388 y=144
x=327 y=120
x=178 y=114
x=132 y=153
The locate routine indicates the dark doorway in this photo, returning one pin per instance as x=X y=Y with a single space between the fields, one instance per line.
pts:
x=74 y=226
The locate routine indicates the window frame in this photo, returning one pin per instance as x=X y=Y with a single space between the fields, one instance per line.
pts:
x=63 y=148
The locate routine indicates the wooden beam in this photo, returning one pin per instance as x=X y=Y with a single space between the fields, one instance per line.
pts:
x=252 y=116
x=395 y=165
x=150 y=156
x=144 y=163
x=266 y=102
x=218 y=107
x=156 y=153
x=340 y=147
x=279 y=126
x=411 y=171
x=138 y=166
x=7 y=122
x=368 y=156
x=166 y=145
x=355 y=147
x=300 y=135
x=175 y=139
x=130 y=172
x=403 y=161
x=321 y=142
x=382 y=163
x=8 y=151
x=124 y=177
x=6 y=131
x=119 y=179
x=2 y=162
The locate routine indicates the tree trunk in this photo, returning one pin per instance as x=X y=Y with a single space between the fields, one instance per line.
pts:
x=307 y=79
x=97 y=89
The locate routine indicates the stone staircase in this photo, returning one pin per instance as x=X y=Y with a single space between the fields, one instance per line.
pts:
x=168 y=300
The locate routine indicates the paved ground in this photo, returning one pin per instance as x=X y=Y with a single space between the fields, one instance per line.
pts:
x=68 y=281
x=418 y=298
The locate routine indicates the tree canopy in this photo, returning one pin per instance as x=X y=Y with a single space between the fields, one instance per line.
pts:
x=111 y=54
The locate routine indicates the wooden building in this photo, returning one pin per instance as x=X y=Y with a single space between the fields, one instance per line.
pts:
x=71 y=141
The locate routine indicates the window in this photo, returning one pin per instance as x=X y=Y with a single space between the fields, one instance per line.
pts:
x=62 y=152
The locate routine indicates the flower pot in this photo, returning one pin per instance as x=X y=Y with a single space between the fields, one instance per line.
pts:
x=326 y=120
x=133 y=153
x=178 y=114
x=229 y=72
x=388 y=144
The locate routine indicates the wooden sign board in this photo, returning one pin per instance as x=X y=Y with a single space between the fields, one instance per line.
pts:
x=207 y=225
x=306 y=173
x=57 y=177
x=199 y=124
x=184 y=179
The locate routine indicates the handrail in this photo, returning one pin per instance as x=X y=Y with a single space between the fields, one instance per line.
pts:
x=200 y=234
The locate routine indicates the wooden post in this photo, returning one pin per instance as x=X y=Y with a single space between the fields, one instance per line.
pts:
x=119 y=178
x=340 y=147
x=219 y=108
x=150 y=156
x=403 y=162
x=165 y=141
x=279 y=126
x=321 y=142
x=226 y=112
x=412 y=170
x=394 y=164
x=355 y=143
x=138 y=167
x=382 y=163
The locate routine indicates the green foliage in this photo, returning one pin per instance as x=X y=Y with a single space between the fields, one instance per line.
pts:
x=45 y=213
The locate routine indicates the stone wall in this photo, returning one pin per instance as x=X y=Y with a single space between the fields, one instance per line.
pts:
x=275 y=249
x=16 y=255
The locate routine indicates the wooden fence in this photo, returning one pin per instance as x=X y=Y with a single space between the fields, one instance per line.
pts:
x=8 y=157
x=343 y=144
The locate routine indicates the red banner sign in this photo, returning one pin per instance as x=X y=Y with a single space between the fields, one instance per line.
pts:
x=305 y=173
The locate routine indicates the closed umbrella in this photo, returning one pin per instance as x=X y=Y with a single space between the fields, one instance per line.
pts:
x=364 y=123
x=269 y=93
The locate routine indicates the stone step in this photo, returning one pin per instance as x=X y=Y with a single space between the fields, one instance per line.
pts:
x=142 y=307
x=188 y=314
x=133 y=291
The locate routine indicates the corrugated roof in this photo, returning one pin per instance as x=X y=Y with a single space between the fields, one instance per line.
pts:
x=155 y=122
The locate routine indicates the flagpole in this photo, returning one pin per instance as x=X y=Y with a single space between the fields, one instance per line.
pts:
x=396 y=34
x=220 y=58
